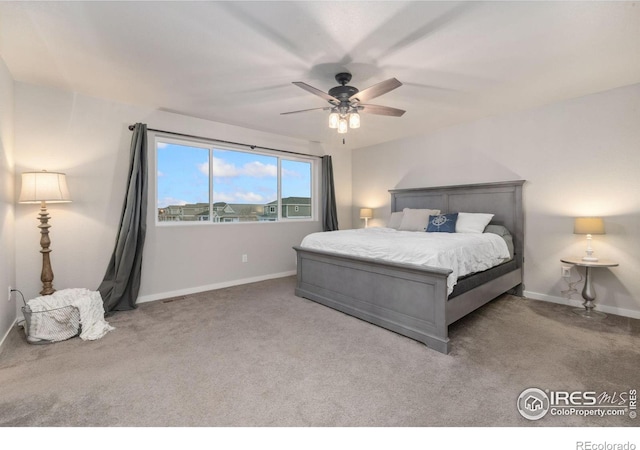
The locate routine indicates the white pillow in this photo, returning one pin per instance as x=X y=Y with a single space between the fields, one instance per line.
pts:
x=472 y=222
x=416 y=219
x=395 y=220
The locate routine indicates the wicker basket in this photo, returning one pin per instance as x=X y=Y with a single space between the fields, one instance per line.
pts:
x=53 y=325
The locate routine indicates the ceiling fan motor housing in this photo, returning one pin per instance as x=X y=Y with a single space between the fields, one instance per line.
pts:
x=343 y=92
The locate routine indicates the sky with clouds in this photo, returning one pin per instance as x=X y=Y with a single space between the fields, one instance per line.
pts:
x=238 y=177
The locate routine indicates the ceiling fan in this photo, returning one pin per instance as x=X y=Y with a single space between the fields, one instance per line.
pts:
x=347 y=101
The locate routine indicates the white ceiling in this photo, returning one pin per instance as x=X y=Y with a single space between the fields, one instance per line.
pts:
x=234 y=62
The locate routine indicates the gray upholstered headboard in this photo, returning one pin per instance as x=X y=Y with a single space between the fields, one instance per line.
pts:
x=503 y=199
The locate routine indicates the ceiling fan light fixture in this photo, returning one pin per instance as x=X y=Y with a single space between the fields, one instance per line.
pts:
x=334 y=118
x=354 y=120
x=346 y=101
x=343 y=127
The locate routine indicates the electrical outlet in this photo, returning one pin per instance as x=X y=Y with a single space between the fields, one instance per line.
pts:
x=566 y=271
x=245 y=258
x=9 y=291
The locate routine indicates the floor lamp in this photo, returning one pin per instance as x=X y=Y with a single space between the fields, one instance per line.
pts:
x=43 y=187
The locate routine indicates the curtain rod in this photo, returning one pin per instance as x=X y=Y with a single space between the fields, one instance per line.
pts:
x=229 y=142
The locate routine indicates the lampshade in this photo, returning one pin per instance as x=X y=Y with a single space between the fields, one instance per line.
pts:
x=342 y=126
x=334 y=117
x=50 y=187
x=366 y=213
x=588 y=225
x=354 y=120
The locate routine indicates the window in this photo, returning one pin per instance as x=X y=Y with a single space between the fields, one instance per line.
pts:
x=183 y=188
x=200 y=183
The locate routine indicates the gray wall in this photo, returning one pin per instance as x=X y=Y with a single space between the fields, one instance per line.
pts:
x=88 y=139
x=342 y=173
x=579 y=157
x=7 y=241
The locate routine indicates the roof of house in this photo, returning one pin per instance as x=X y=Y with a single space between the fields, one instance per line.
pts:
x=293 y=201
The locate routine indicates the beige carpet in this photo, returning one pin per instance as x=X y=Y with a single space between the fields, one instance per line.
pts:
x=256 y=355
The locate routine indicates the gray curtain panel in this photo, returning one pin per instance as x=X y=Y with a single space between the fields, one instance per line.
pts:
x=121 y=283
x=329 y=214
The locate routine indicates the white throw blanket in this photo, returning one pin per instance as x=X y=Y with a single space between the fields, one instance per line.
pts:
x=89 y=304
x=463 y=253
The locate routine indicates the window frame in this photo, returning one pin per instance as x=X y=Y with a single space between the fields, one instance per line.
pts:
x=314 y=182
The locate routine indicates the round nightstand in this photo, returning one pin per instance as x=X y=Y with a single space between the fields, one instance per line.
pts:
x=588 y=292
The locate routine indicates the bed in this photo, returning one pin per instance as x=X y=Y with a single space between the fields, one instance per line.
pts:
x=410 y=299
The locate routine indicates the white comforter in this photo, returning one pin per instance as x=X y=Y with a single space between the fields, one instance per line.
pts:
x=90 y=307
x=463 y=253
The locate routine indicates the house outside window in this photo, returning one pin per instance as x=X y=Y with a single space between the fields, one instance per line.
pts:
x=202 y=183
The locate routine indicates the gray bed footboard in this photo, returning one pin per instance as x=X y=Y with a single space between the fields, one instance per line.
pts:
x=407 y=299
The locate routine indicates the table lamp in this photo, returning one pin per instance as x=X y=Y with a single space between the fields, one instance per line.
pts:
x=588 y=226
x=43 y=187
x=366 y=214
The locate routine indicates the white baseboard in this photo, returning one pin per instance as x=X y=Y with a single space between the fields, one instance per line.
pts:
x=578 y=303
x=211 y=287
x=7 y=333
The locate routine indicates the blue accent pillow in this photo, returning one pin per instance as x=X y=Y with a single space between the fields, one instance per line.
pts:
x=442 y=223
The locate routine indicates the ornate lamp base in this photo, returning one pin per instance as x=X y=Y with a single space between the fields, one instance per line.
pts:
x=47 y=273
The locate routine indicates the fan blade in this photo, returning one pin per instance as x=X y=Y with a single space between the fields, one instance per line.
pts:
x=305 y=110
x=317 y=92
x=381 y=110
x=376 y=90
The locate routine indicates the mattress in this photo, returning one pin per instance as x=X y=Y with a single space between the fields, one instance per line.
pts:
x=462 y=253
